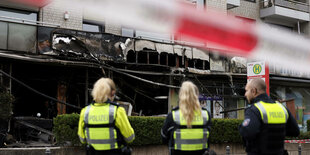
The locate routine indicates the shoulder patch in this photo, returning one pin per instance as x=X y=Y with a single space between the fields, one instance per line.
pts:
x=246 y=122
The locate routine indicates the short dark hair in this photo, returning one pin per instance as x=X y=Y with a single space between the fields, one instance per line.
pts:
x=259 y=84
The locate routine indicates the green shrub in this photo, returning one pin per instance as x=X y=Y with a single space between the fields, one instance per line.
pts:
x=147 y=129
x=65 y=128
x=225 y=130
x=308 y=125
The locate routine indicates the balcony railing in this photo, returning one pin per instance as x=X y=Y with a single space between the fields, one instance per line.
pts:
x=20 y=34
x=290 y=4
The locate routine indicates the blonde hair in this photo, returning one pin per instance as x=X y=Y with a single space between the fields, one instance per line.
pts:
x=102 y=90
x=188 y=101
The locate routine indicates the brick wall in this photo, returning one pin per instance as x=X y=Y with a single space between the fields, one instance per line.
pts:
x=113 y=28
x=54 y=13
x=246 y=9
x=217 y=4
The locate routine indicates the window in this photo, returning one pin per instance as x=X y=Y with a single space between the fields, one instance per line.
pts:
x=254 y=1
x=128 y=32
x=92 y=26
x=160 y=37
x=200 y=4
x=5 y=12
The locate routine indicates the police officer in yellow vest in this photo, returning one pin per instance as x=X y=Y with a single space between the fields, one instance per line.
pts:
x=187 y=127
x=266 y=122
x=104 y=125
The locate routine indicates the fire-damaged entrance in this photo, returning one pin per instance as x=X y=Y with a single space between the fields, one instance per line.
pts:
x=39 y=92
x=66 y=84
x=58 y=78
x=39 y=87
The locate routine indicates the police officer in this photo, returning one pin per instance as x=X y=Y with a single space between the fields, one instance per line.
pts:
x=187 y=127
x=266 y=122
x=104 y=125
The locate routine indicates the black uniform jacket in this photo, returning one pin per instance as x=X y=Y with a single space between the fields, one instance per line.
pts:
x=169 y=127
x=252 y=123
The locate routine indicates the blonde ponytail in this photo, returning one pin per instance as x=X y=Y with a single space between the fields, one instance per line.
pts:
x=188 y=101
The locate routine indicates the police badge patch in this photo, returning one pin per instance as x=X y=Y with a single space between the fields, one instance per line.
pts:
x=246 y=122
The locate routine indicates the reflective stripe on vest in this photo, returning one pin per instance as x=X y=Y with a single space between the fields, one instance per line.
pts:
x=272 y=113
x=191 y=138
x=97 y=136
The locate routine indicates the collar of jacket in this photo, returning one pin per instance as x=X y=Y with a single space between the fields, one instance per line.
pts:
x=107 y=102
x=262 y=97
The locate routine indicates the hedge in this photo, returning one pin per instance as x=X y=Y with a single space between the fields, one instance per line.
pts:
x=308 y=125
x=225 y=131
x=147 y=130
x=65 y=128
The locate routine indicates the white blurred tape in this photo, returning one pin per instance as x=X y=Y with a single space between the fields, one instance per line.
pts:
x=280 y=47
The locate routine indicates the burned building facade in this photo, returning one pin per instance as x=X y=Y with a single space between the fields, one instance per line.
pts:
x=54 y=54
x=52 y=69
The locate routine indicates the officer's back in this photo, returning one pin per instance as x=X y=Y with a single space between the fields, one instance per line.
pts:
x=104 y=125
x=266 y=122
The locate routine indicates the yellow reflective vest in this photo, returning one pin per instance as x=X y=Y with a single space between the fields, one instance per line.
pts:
x=191 y=139
x=98 y=123
x=272 y=113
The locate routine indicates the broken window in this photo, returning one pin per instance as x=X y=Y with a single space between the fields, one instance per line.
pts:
x=131 y=56
x=206 y=65
x=199 y=64
x=164 y=58
x=191 y=63
x=171 y=60
x=142 y=57
x=181 y=61
x=153 y=57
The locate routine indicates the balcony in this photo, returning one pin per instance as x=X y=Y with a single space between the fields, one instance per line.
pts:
x=21 y=35
x=34 y=40
x=232 y=4
x=284 y=12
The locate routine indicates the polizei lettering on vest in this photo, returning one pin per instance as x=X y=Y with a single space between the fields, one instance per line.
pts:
x=195 y=119
x=276 y=114
x=98 y=118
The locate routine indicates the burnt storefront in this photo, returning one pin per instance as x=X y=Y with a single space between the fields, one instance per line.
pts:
x=52 y=72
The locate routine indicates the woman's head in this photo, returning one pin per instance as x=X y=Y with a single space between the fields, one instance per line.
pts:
x=188 y=100
x=104 y=89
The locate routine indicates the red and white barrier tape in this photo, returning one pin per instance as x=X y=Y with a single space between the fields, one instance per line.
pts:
x=298 y=141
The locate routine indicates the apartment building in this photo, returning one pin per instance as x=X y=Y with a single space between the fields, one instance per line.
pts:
x=60 y=51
